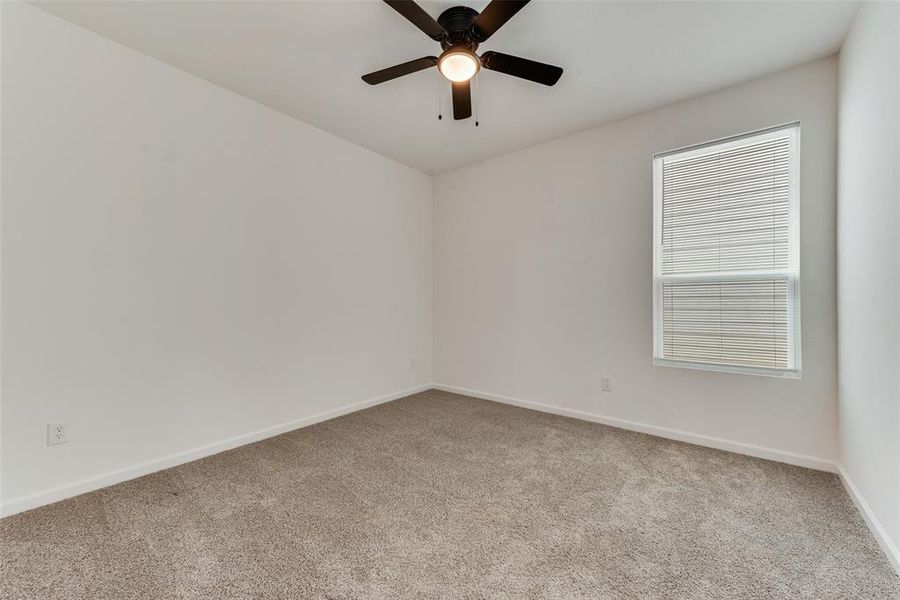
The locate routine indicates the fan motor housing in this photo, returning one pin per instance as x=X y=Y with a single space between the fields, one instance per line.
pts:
x=457 y=21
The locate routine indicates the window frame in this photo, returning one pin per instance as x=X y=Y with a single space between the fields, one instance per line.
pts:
x=792 y=274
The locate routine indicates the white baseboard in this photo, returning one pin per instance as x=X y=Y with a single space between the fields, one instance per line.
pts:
x=23 y=503
x=871 y=520
x=790 y=458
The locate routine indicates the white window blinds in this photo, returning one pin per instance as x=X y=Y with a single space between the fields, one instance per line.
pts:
x=726 y=268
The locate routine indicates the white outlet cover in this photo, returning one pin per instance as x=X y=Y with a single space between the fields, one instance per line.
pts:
x=606 y=384
x=57 y=433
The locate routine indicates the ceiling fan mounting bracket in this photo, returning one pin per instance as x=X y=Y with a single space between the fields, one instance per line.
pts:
x=457 y=21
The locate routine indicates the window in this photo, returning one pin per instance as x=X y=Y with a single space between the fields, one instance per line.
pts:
x=726 y=255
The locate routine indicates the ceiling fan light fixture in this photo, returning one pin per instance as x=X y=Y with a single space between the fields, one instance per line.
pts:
x=460 y=30
x=458 y=65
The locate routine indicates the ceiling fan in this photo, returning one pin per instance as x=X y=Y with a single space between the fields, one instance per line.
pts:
x=459 y=30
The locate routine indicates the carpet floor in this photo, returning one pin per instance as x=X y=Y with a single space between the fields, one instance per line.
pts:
x=443 y=496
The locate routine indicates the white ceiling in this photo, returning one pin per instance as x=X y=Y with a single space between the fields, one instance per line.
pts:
x=306 y=58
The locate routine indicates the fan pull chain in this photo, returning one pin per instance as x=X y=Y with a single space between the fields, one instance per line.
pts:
x=475 y=81
x=439 y=101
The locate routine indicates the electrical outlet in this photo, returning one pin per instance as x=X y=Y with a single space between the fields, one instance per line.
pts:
x=57 y=433
x=412 y=364
x=606 y=384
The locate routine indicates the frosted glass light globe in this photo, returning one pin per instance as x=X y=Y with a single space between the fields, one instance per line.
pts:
x=458 y=66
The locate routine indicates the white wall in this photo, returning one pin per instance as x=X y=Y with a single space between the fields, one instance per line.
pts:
x=869 y=264
x=182 y=266
x=543 y=271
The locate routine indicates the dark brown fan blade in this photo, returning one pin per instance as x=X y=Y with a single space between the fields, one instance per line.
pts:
x=521 y=67
x=399 y=70
x=462 y=100
x=494 y=16
x=416 y=15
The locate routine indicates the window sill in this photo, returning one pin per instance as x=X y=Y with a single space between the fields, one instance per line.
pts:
x=734 y=369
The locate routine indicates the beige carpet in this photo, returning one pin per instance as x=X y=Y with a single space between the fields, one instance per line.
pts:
x=442 y=496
